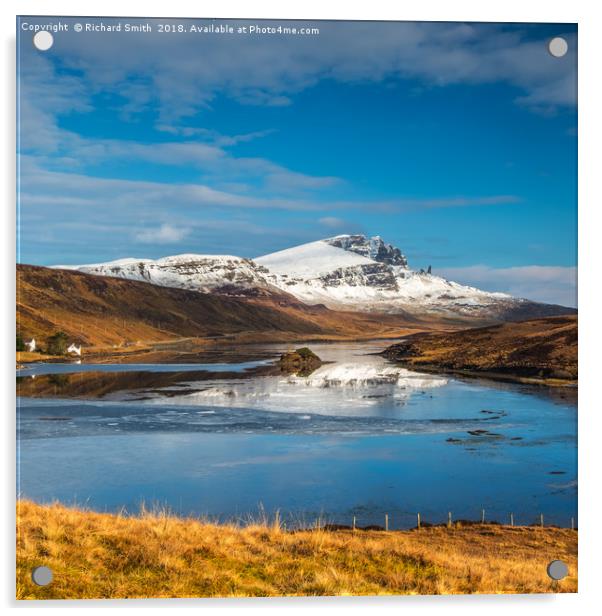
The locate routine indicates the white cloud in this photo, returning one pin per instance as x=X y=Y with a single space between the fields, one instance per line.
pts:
x=185 y=73
x=455 y=201
x=52 y=189
x=165 y=234
x=543 y=283
x=86 y=195
x=43 y=95
x=332 y=222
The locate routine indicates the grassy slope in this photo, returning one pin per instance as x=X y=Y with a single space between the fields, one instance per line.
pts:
x=539 y=349
x=101 y=311
x=103 y=556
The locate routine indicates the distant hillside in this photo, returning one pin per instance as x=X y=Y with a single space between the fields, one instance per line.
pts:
x=97 y=310
x=351 y=273
x=539 y=348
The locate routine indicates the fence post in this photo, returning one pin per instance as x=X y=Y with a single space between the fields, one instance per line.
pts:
x=386 y=521
x=511 y=519
x=449 y=519
x=418 y=521
x=482 y=516
x=541 y=519
x=572 y=523
x=354 y=523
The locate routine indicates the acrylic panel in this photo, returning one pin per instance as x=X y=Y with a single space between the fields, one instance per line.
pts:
x=296 y=308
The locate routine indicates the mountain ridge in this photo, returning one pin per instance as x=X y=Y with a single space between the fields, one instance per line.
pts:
x=344 y=272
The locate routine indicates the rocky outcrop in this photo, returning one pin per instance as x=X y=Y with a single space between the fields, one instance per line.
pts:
x=301 y=362
x=372 y=248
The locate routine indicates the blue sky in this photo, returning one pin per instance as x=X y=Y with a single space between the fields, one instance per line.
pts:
x=455 y=142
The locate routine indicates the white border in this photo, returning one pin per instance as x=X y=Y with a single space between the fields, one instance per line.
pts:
x=587 y=14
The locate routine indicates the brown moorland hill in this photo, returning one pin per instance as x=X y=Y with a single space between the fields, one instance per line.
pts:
x=102 y=311
x=544 y=349
x=99 y=555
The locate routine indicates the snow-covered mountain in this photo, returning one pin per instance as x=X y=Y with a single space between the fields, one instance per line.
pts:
x=346 y=272
x=352 y=271
x=205 y=273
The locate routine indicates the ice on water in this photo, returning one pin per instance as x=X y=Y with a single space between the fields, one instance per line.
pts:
x=361 y=388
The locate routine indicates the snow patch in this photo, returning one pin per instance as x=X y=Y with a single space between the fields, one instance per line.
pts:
x=310 y=260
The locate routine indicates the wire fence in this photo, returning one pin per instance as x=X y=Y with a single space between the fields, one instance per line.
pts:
x=401 y=520
x=364 y=520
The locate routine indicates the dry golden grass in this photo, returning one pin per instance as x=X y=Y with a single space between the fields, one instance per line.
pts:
x=96 y=555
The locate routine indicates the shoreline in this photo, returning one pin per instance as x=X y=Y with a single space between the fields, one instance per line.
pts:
x=541 y=352
x=487 y=375
x=201 y=350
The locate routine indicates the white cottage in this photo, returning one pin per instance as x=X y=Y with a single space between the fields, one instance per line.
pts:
x=75 y=350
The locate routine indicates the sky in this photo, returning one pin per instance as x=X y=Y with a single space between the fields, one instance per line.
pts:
x=456 y=142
